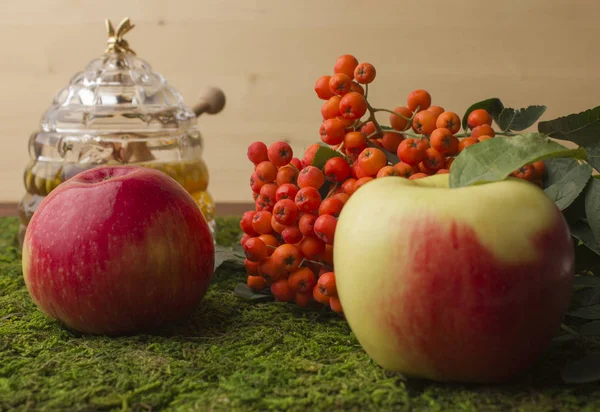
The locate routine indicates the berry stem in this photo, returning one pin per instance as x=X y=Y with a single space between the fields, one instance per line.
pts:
x=372 y=118
x=393 y=112
x=333 y=189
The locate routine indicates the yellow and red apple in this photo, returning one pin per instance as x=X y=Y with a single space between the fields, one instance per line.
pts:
x=462 y=284
x=118 y=250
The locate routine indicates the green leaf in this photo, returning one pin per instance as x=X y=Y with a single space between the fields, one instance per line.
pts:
x=224 y=254
x=586 y=282
x=586 y=260
x=592 y=207
x=581 y=128
x=583 y=370
x=570 y=186
x=493 y=106
x=586 y=312
x=520 y=119
x=593 y=156
x=582 y=232
x=590 y=328
x=243 y=291
x=495 y=159
x=323 y=154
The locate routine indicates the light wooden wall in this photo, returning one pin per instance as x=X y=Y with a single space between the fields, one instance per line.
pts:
x=267 y=54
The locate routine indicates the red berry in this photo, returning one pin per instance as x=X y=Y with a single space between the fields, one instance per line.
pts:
x=337 y=169
x=325 y=228
x=297 y=163
x=286 y=191
x=286 y=212
x=282 y=291
x=309 y=154
x=327 y=284
x=306 y=224
x=286 y=174
x=364 y=73
x=311 y=247
x=251 y=267
x=348 y=186
x=287 y=256
x=264 y=203
x=280 y=154
x=302 y=280
x=261 y=222
x=311 y=176
x=257 y=152
x=322 y=88
x=291 y=235
x=245 y=237
x=277 y=227
x=353 y=106
x=332 y=131
x=246 y=223
x=269 y=190
x=255 y=249
x=308 y=199
x=256 y=184
x=331 y=108
x=266 y=172
x=331 y=206
x=346 y=64
x=340 y=84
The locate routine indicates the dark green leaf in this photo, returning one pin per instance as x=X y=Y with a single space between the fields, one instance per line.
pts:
x=243 y=291
x=562 y=339
x=570 y=186
x=582 y=232
x=224 y=254
x=586 y=260
x=557 y=168
x=520 y=119
x=326 y=188
x=593 y=154
x=493 y=106
x=590 y=297
x=323 y=154
x=583 y=370
x=590 y=328
x=495 y=159
x=586 y=312
x=581 y=128
x=586 y=282
x=391 y=157
x=592 y=207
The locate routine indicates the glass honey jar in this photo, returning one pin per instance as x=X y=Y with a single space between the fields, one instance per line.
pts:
x=118 y=111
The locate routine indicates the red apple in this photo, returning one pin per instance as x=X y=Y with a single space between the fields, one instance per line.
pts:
x=466 y=284
x=118 y=250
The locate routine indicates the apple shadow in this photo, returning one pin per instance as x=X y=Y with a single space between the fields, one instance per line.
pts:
x=544 y=376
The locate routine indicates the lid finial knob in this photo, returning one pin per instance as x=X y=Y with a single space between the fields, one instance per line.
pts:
x=116 y=42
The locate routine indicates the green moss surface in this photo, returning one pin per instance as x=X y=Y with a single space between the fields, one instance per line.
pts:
x=235 y=355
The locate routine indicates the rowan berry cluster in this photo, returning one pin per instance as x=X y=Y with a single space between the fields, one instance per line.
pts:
x=288 y=239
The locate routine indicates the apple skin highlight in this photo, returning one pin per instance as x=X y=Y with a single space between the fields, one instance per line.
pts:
x=118 y=250
x=464 y=284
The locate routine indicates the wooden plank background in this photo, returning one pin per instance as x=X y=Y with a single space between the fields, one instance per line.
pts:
x=266 y=55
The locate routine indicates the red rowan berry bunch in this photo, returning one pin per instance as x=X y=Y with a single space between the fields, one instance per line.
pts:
x=420 y=140
x=288 y=239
